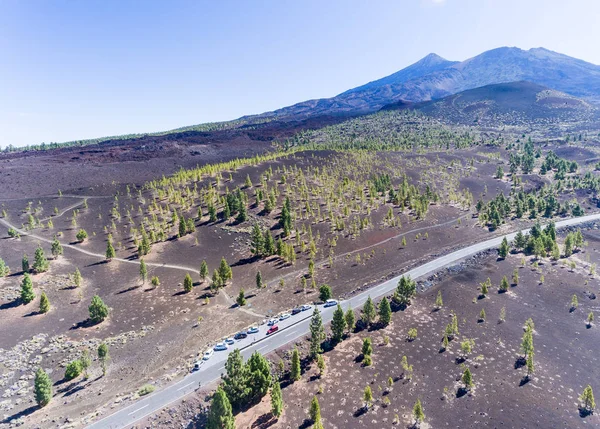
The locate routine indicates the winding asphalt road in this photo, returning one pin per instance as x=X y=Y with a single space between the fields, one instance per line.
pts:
x=289 y=330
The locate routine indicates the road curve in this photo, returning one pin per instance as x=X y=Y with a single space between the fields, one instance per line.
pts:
x=289 y=330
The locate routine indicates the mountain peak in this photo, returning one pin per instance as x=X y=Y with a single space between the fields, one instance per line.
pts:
x=431 y=58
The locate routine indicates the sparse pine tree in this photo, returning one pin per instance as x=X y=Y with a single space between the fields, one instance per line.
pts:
x=315 y=411
x=40 y=263
x=241 y=299
x=503 y=250
x=103 y=357
x=467 y=379
x=155 y=281
x=321 y=365
x=56 y=248
x=530 y=365
x=27 y=294
x=587 y=400
x=418 y=413
x=439 y=303
x=24 y=264
x=368 y=312
x=295 y=370
x=504 y=284
x=482 y=315
x=110 y=251
x=77 y=278
x=368 y=397
x=203 y=271
x=98 y=310
x=44 y=303
x=350 y=319
x=276 y=400
x=590 y=318
x=338 y=324
x=574 y=303
x=317 y=333
x=225 y=271
x=259 y=281
x=385 y=312
x=220 y=415
x=143 y=271
x=42 y=388
x=188 y=283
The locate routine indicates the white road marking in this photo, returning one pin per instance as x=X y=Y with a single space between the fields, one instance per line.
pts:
x=263 y=347
x=183 y=387
x=291 y=333
x=139 y=409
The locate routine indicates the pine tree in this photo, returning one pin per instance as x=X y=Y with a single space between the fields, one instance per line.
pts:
x=188 y=283
x=56 y=248
x=276 y=400
x=241 y=299
x=103 y=357
x=98 y=310
x=405 y=290
x=40 y=263
x=295 y=370
x=81 y=235
x=242 y=213
x=4 y=270
x=315 y=410
x=338 y=324
x=324 y=292
x=24 y=264
x=203 y=271
x=220 y=415
x=350 y=319
x=143 y=271
x=236 y=380
x=110 y=251
x=467 y=379
x=256 y=241
x=587 y=399
x=367 y=347
x=42 y=388
x=259 y=376
x=269 y=244
x=77 y=279
x=216 y=281
x=368 y=397
x=317 y=333
x=385 y=312
x=439 y=303
x=503 y=250
x=530 y=365
x=27 y=294
x=418 y=413
x=259 y=281
x=368 y=312
x=527 y=342
x=182 y=226
x=225 y=271
x=44 y=303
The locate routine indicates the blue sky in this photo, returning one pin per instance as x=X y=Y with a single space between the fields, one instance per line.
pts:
x=81 y=69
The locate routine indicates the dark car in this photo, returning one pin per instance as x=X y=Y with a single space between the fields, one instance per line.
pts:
x=240 y=335
x=272 y=329
x=296 y=310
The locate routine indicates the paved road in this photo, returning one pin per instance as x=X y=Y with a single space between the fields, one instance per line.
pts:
x=289 y=330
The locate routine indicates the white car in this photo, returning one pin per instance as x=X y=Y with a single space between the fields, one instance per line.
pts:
x=330 y=302
x=207 y=354
x=220 y=347
x=197 y=365
x=230 y=341
x=306 y=307
x=285 y=316
x=272 y=322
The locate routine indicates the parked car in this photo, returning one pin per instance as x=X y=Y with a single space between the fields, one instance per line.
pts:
x=207 y=354
x=331 y=302
x=197 y=365
x=272 y=322
x=296 y=310
x=253 y=330
x=220 y=347
x=306 y=307
x=272 y=329
x=230 y=341
x=284 y=316
x=240 y=335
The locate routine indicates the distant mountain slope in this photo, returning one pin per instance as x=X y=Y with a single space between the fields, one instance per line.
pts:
x=434 y=77
x=504 y=103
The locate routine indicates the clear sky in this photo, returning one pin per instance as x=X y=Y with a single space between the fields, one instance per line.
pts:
x=75 y=69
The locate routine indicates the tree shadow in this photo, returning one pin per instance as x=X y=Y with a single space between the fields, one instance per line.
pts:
x=87 y=323
x=306 y=424
x=244 y=261
x=24 y=413
x=129 y=289
x=68 y=287
x=12 y=304
x=462 y=391
x=360 y=412
x=584 y=412
x=520 y=362
x=524 y=381
x=265 y=421
x=33 y=313
x=98 y=263
x=181 y=292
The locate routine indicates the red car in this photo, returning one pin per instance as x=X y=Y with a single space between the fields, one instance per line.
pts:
x=272 y=329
